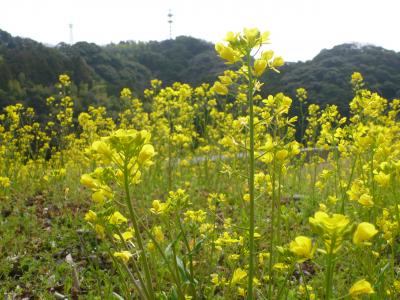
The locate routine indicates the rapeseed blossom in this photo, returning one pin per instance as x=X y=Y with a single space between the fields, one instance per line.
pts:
x=364 y=232
x=361 y=287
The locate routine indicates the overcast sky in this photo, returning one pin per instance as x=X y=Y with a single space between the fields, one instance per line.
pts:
x=299 y=28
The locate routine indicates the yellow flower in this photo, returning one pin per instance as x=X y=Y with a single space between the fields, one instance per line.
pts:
x=382 y=179
x=322 y=207
x=100 y=231
x=238 y=276
x=5 y=182
x=262 y=256
x=333 y=225
x=158 y=207
x=364 y=232
x=356 y=190
x=195 y=216
x=366 y=200
x=100 y=196
x=251 y=35
x=280 y=266
x=117 y=218
x=215 y=279
x=158 y=234
x=361 y=287
x=302 y=247
x=127 y=235
x=231 y=37
x=126 y=93
x=396 y=285
x=90 y=216
x=227 y=53
x=226 y=80
x=265 y=36
x=150 y=246
x=301 y=93
x=356 y=79
x=88 y=181
x=281 y=155
x=278 y=62
x=146 y=153
x=123 y=255
x=267 y=55
x=102 y=148
x=306 y=290
x=331 y=228
x=206 y=227
x=220 y=88
x=246 y=197
x=259 y=67
x=64 y=79
x=234 y=257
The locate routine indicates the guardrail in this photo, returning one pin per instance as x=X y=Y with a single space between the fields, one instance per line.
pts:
x=214 y=157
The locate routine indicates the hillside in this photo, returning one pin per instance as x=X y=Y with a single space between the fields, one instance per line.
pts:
x=28 y=70
x=326 y=77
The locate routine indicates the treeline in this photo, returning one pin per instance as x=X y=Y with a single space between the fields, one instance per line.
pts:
x=326 y=77
x=28 y=70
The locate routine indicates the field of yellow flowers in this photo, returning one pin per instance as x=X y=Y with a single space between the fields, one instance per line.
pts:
x=208 y=192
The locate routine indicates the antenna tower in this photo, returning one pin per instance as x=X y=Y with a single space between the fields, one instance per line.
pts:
x=170 y=24
x=71 y=36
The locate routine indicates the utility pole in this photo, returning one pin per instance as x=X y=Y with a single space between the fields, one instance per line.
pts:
x=170 y=24
x=71 y=36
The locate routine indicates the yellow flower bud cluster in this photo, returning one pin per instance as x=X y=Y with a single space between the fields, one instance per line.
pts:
x=5 y=182
x=239 y=48
x=331 y=229
x=126 y=93
x=101 y=191
x=64 y=79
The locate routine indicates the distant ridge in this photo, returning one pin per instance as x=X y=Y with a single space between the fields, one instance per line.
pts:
x=28 y=69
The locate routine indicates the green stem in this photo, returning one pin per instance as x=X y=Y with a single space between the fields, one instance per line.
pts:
x=373 y=184
x=278 y=217
x=344 y=195
x=141 y=290
x=281 y=289
x=338 y=184
x=135 y=266
x=190 y=254
x=251 y=180
x=169 y=163
x=120 y=273
x=301 y=122
x=138 y=236
x=177 y=271
x=213 y=236
x=304 y=281
x=174 y=272
x=272 y=232
x=329 y=270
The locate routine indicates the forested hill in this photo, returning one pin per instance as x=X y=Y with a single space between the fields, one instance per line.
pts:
x=28 y=69
x=326 y=77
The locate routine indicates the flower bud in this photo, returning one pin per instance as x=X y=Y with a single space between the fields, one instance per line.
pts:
x=259 y=67
x=146 y=153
